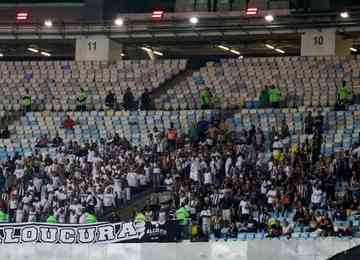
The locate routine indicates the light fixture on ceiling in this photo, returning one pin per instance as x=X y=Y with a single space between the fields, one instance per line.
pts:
x=119 y=21
x=122 y=54
x=146 y=49
x=33 y=49
x=223 y=47
x=269 y=18
x=1 y=55
x=270 y=46
x=344 y=15
x=158 y=53
x=353 y=49
x=48 y=23
x=235 y=52
x=47 y=54
x=280 y=51
x=194 y=20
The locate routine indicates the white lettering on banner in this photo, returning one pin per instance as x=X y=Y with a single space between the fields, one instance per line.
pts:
x=70 y=234
x=48 y=235
x=106 y=233
x=29 y=234
x=67 y=236
x=127 y=230
x=86 y=235
x=9 y=236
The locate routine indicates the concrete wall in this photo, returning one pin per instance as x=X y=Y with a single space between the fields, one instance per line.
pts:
x=321 y=249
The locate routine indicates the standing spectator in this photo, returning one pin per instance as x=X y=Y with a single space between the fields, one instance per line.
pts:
x=284 y=130
x=128 y=100
x=206 y=98
x=172 y=137
x=319 y=122
x=316 y=146
x=82 y=99
x=309 y=123
x=264 y=97
x=275 y=96
x=343 y=96
x=145 y=100
x=110 y=100
x=226 y=205
x=4 y=130
x=68 y=123
x=27 y=102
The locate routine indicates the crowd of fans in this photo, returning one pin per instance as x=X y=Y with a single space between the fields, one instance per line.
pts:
x=224 y=181
x=225 y=184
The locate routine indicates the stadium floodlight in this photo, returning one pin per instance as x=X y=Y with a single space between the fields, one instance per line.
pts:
x=235 y=52
x=33 y=50
x=119 y=22
x=353 y=49
x=45 y=53
x=270 y=46
x=158 y=53
x=224 y=47
x=48 y=23
x=194 y=20
x=280 y=51
x=344 y=15
x=269 y=18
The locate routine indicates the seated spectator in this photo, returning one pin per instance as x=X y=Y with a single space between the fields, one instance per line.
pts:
x=128 y=100
x=43 y=141
x=68 y=123
x=110 y=100
x=57 y=141
x=4 y=132
x=145 y=99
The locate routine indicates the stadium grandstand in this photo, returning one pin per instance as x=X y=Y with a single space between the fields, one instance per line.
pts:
x=187 y=129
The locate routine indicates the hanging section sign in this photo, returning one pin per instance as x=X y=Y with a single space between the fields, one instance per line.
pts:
x=86 y=234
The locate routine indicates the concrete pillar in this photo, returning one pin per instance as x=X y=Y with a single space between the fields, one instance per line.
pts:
x=324 y=42
x=98 y=48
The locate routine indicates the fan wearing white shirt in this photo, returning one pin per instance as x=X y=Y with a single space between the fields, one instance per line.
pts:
x=19 y=215
x=195 y=169
x=205 y=215
x=109 y=200
x=132 y=180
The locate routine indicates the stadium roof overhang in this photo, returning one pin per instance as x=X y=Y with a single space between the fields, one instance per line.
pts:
x=245 y=33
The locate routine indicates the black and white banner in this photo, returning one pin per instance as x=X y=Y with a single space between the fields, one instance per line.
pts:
x=86 y=234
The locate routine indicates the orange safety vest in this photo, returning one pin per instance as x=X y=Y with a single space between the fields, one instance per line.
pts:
x=172 y=134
